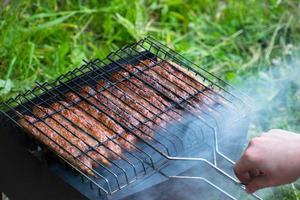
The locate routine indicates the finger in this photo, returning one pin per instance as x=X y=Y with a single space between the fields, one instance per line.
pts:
x=258 y=183
x=244 y=178
x=254 y=173
x=242 y=170
x=247 y=177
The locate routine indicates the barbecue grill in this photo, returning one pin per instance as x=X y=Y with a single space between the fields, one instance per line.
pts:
x=191 y=151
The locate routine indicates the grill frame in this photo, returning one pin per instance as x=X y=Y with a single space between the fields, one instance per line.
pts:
x=132 y=53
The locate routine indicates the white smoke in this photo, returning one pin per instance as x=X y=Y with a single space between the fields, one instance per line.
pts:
x=274 y=93
x=274 y=97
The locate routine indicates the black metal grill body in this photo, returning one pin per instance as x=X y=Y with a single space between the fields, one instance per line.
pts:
x=175 y=151
x=22 y=175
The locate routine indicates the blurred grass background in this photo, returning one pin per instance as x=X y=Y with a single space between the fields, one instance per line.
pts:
x=40 y=40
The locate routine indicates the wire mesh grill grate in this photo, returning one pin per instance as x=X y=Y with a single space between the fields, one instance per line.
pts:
x=139 y=96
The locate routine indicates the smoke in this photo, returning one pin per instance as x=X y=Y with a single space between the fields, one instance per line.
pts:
x=273 y=95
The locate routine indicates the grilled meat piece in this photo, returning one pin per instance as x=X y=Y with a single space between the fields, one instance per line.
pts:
x=89 y=125
x=130 y=99
x=52 y=122
x=109 y=110
x=127 y=117
x=165 y=71
x=78 y=138
x=140 y=104
x=165 y=79
x=143 y=107
x=126 y=110
x=201 y=99
x=107 y=105
x=172 y=76
x=56 y=143
x=210 y=96
x=146 y=77
x=184 y=74
x=141 y=89
x=111 y=128
x=147 y=97
x=158 y=78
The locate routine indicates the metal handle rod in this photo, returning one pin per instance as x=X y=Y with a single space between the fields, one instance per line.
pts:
x=225 y=157
x=215 y=167
x=197 y=116
x=207 y=181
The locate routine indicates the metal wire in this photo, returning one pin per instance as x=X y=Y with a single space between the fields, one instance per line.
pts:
x=91 y=147
x=111 y=139
x=155 y=115
x=176 y=98
x=76 y=158
x=140 y=74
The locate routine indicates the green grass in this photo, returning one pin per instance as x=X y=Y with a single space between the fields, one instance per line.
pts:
x=40 y=40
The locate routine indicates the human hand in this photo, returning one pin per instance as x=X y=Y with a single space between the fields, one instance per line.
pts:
x=271 y=159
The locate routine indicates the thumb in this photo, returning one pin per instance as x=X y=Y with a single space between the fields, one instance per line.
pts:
x=257 y=183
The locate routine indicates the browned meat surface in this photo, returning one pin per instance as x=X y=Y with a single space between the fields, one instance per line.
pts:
x=72 y=134
x=108 y=106
x=104 y=120
x=129 y=98
x=167 y=81
x=172 y=77
x=40 y=112
x=56 y=143
x=156 y=99
x=109 y=119
x=125 y=119
x=178 y=84
x=183 y=74
x=125 y=109
x=143 y=106
x=148 y=98
x=119 y=107
x=153 y=82
x=193 y=80
x=89 y=125
x=139 y=89
x=145 y=131
x=176 y=88
x=205 y=100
